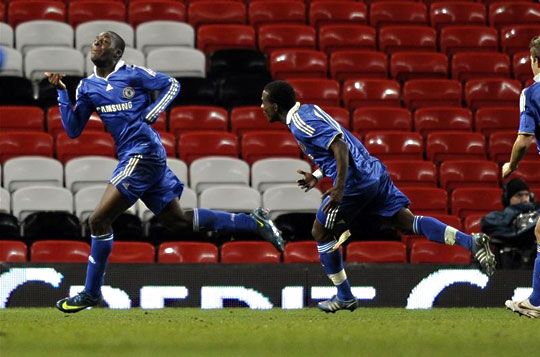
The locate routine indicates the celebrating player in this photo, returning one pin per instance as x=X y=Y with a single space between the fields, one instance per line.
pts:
x=119 y=92
x=361 y=185
x=529 y=129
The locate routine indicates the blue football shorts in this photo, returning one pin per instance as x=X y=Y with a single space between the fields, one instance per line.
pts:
x=382 y=198
x=149 y=179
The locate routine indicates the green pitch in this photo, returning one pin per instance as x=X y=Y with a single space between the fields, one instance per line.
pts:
x=243 y=332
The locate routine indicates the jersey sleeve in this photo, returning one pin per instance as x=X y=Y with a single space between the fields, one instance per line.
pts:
x=527 y=123
x=319 y=128
x=74 y=118
x=167 y=86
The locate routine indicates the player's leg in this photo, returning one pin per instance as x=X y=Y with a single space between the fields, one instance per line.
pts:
x=530 y=307
x=112 y=204
x=163 y=199
x=437 y=231
x=332 y=260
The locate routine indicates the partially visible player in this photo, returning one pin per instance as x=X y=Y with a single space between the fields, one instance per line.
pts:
x=361 y=185
x=529 y=130
x=119 y=92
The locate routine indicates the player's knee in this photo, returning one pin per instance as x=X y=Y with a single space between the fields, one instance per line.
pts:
x=99 y=224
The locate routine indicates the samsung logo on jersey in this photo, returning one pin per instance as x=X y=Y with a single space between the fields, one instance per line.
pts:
x=111 y=108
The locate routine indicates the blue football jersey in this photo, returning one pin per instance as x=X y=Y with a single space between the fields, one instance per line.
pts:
x=315 y=130
x=122 y=100
x=529 y=108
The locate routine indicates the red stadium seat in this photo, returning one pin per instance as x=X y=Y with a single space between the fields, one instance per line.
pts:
x=197 y=144
x=21 y=118
x=493 y=119
x=24 y=143
x=280 y=36
x=501 y=143
x=301 y=252
x=392 y=145
x=155 y=10
x=471 y=223
x=211 y=38
x=469 y=200
x=216 y=12
x=346 y=37
x=427 y=200
x=55 y=127
x=371 y=92
x=132 y=252
x=521 y=66
x=187 y=253
x=298 y=63
x=376 y=252
x=2 y=12
x=529 y=171
x=339 y=114
x=516 y=38
x=457 y=13
x=397 y=13
x=258 y=145
x=89 y=143
x=468 y=173
x=337 y=12
x=366 y=119
x=509 y=13
x=249 y=252
x=169 y=143
x=419 y=93
x=411 y=65
x=451 y=220
x=59 y=251
x=492 y=92
x=317 y=91
x=247 y=118
x=186 y=118
x=455 y=145
x=431 y=119
x=407 y=38
x=22 y=11
x=454 y=39
x=436 y=253
x=12 y=251
x=414 y=173
x=90 y=10
x=346 y=64
x=281 y=11
x=470 y=65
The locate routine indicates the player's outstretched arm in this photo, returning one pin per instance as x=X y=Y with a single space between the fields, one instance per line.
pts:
x=308 y=182
x=74 y=119
x=521 y=145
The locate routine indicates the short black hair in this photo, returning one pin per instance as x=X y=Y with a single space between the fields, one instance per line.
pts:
x=281 y=93
x=534 y=47
x=119 y=42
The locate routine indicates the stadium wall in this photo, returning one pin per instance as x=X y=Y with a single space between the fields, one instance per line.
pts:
x=287 y=286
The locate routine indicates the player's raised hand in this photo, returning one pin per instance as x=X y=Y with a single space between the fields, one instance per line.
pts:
x=336 y=195
x=308 y=182
x=55 y=79
x=506 y=170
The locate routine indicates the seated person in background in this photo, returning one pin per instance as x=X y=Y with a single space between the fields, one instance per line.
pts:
x=512 y=229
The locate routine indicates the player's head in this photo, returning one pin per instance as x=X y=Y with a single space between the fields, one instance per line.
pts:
x=107 y=49
x=534 y=47
x=516 y=191
x=277 y=98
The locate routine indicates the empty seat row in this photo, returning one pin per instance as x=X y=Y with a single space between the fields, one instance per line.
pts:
x=248 y=252
x=251 y=118
x=268 y=38
x=206 y=172
x=279 y=199
x=197 y=13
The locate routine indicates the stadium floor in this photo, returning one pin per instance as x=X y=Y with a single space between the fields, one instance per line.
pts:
x=244 y=332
